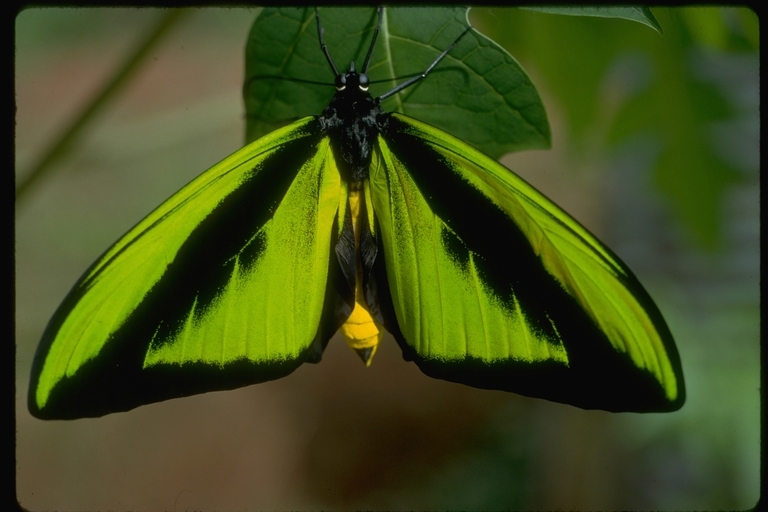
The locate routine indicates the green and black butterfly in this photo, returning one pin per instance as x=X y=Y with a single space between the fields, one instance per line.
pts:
x=362 y=221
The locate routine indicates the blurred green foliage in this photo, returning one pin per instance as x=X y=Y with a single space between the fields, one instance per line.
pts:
x=616 y=80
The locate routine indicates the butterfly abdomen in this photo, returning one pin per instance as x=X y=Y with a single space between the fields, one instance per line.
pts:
x=361 y=332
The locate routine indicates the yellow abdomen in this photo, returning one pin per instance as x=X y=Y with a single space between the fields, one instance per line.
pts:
x=361 y=332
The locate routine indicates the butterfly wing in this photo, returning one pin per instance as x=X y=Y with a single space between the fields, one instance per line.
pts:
x=484 y=281
x=221 y=286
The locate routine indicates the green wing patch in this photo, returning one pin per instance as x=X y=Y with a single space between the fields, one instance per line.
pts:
x=492 y=285
x=229 y=273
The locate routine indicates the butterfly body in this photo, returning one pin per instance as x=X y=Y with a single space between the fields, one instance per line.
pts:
x=352 y=122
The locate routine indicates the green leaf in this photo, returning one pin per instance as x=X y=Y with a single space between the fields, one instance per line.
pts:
x=639 y=14
x=478 y=93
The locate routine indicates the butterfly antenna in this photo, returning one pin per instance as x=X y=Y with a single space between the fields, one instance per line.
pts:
x=380 y=10
x=323 y=47
x=415 y=79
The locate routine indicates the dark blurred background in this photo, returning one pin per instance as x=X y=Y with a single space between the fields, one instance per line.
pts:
x=655 y=149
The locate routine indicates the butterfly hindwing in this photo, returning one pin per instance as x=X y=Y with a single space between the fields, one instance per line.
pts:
x=493 y=285
x=222 y=286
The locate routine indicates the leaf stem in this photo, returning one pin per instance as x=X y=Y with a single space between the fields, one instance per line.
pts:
x=59 y=148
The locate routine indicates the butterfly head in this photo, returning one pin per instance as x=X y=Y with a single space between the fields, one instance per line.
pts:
x=352 y=80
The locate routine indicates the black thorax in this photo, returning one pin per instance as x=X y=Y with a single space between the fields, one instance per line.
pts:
x=350 y=121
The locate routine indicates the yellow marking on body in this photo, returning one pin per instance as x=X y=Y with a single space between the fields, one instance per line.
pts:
x=361 y=332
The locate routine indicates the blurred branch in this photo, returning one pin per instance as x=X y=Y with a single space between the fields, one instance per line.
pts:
x=121 y=77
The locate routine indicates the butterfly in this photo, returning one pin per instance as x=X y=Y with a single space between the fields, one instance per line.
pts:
x=361 y=221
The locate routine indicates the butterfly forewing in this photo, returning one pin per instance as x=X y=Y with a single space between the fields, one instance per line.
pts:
x=493 y=285
x=228 y=275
